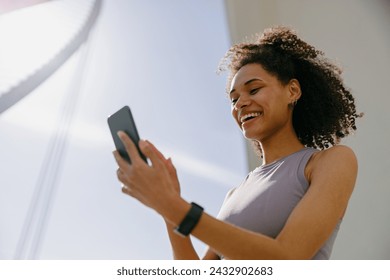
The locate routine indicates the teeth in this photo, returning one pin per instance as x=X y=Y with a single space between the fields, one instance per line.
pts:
x=244 y=117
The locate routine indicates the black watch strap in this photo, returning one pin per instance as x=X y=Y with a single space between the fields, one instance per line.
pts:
x=190 y=220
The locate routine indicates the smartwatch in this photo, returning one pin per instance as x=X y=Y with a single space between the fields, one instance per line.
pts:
x=190 y=220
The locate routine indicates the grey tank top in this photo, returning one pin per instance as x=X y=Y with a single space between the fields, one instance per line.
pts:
x=265 y=199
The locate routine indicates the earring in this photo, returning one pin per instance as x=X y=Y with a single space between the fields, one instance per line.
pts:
x=293 y=103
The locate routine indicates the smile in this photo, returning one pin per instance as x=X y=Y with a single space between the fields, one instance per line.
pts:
x=249 y=116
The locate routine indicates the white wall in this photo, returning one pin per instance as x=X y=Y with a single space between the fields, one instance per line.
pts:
x=356 y=34
x=159 y=57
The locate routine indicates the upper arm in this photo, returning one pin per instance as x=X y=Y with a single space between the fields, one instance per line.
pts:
x=332 y=179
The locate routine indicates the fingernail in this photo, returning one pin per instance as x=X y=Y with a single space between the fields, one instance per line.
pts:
x=120 y=133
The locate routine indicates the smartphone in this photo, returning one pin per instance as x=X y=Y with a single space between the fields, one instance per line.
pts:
x=123 y=120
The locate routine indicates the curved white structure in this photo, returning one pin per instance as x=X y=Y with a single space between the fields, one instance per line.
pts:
x=37 y=40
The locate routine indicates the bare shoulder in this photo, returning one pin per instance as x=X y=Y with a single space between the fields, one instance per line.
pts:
x=336 y=161
x=334 y=155
x=337 y=155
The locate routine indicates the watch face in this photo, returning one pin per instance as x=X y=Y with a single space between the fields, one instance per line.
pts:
x=190 y=220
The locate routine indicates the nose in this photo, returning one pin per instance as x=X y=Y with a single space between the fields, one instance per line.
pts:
x=242 y=102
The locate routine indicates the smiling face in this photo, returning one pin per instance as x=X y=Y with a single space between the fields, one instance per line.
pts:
x=260 y=102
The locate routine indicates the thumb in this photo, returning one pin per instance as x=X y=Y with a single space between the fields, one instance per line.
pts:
x=171 y=168
x=173 y=173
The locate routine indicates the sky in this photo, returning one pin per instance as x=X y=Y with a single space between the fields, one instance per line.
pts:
x=60 y=192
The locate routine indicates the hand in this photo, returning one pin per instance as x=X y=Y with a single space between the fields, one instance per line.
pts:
x=155 y=186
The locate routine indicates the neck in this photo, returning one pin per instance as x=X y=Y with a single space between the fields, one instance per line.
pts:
x=281 y=145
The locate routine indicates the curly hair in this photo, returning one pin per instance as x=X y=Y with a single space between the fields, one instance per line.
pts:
x=326 y=111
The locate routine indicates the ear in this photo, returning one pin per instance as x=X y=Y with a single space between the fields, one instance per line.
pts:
x=294 y=89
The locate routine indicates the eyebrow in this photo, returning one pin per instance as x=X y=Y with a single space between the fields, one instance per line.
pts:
x=247 y=83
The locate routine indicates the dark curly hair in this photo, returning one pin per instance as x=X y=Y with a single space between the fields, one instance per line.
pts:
x=326 y=111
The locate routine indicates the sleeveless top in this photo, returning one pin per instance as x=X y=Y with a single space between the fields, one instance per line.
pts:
x=268 y=195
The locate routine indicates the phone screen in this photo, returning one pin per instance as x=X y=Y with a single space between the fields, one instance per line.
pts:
x=122 y=120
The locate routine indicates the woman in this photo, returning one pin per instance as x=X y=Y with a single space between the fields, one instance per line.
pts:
x=291 y=102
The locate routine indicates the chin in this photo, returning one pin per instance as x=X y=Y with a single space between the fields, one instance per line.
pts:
x=257 y=133
x=250 y=136
x=249 y=133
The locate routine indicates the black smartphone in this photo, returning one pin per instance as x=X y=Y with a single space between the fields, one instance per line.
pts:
x=123 y=120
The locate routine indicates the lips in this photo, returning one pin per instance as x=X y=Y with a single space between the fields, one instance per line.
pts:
x=249 y=116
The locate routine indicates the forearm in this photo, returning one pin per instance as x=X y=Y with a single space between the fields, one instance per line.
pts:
x=236 y=243
x=228 y=240
x=182 y=248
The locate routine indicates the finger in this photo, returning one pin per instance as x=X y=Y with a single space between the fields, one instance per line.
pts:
x=120 y=175
x=126 y=190
x=156 y=151
x=122 y=163
x=171 y=169
x=152 y=153
x=173 y=173
x=130 y=147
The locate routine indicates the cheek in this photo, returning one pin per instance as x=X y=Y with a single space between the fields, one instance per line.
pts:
x=234 y=114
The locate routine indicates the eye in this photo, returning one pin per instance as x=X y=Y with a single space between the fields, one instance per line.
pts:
x=254 y=91
x=234 y=98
